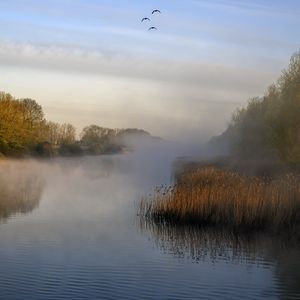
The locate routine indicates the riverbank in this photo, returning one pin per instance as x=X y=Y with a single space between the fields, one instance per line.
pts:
x=211 y=196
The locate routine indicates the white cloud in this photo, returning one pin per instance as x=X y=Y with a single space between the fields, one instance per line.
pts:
x=176 y=99
x=102 y=62
x=247 y=7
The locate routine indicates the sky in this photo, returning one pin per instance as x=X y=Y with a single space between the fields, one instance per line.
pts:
x=94 y=61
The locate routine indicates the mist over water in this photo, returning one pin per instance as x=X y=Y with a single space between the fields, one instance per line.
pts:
x=80 y=237
x=88 y=77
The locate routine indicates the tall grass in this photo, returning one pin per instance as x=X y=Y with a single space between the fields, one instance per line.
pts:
x=211 y=196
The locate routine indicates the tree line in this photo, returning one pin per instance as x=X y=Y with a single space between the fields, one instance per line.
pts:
x=25 y=131
x=269 y=126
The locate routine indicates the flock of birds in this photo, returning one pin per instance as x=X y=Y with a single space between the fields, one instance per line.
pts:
x=156 y=11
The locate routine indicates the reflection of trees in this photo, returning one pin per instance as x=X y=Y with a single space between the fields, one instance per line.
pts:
x=199 y=244
x=20 y=192
x=92 y=167
x=98 y=168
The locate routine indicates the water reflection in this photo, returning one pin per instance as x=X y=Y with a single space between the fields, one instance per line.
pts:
x=287 y=271
x=201 y=244
x=279 y=253
x=92 y=168
x=20 y=192
x=82 y=243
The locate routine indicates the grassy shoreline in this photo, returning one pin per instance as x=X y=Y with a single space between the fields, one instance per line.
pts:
x=211 y=196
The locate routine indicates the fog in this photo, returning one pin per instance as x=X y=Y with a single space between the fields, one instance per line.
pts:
x=105 y=176
x=85 y=201
x=105 y=180
x=81 y=230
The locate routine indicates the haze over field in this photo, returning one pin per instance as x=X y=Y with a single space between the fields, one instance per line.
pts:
x=93 y=61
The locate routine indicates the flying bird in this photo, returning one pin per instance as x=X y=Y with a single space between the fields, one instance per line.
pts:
x=145 y=19
x=152 y=28
x=156 y=11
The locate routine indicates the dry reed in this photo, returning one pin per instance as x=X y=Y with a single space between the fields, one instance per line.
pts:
x=211 y=196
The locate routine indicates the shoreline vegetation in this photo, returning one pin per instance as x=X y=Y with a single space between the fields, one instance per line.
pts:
x=24 y=132
x=210 y=196
x=256 y=186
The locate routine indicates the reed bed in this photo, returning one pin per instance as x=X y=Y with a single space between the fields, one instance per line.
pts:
x=212 y=196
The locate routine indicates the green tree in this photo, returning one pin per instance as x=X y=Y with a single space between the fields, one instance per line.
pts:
x=269 y=127
x=97 y=139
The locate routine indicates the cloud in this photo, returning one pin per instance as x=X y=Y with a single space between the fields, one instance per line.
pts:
x=175 y=98
x=104 y=62
x=253 y=7
x=89 y=61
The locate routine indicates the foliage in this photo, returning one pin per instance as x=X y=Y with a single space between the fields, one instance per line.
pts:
x=96 y=139
x=59 y=134
x=21 y=124
x=99 y=140
x=24 y=130
x=269 y=127
x=70 y=150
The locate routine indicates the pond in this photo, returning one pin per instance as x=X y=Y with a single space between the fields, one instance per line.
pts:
x=69 y=230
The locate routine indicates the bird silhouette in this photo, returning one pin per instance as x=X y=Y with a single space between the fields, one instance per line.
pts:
x=145 y=19
x=152 y=28
x=156 y=11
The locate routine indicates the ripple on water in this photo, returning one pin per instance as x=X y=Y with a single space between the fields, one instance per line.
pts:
x=80 y=241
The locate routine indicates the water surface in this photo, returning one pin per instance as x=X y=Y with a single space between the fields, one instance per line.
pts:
x=68 y=230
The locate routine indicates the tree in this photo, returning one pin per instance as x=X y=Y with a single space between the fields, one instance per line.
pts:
x=13 y=133
x=58 y=134
x=23 y=128
x=97 y=138
x=269 y=127
x=67 y=134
